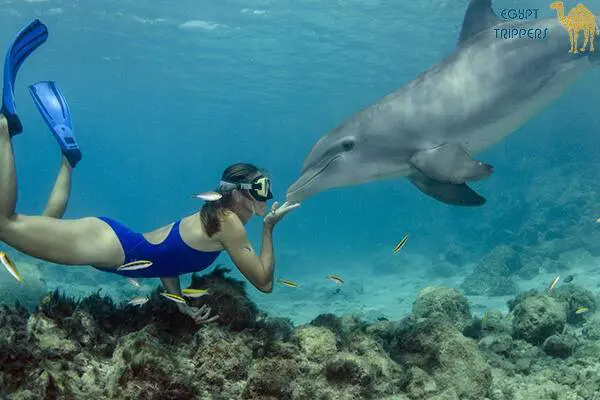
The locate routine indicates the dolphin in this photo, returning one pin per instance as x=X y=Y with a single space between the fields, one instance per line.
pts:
x=502 y=73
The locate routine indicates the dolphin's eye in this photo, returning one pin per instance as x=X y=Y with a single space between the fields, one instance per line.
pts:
x=347 y=145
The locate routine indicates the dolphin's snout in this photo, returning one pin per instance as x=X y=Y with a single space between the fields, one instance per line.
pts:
x=292 y=194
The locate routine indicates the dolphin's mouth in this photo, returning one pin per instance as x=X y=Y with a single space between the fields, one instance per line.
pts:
x=312 y=178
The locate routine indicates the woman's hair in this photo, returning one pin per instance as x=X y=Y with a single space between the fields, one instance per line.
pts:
x=212 y=210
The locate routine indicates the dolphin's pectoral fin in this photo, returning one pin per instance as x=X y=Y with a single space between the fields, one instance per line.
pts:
x=479 y=17
x=456 y=195
x=450 y=163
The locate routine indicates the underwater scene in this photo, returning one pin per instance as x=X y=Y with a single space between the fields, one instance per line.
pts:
x=298 y=200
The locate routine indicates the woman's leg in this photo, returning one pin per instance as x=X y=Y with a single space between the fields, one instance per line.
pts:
x=59 y=197
x=86 y=241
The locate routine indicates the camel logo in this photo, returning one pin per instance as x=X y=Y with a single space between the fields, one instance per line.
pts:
x=579 y=19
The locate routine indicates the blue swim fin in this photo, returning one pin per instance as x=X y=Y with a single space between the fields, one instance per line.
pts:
x=26 y=41
x=55 y=111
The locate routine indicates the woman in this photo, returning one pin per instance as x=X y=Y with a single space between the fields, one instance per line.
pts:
x=189 y=244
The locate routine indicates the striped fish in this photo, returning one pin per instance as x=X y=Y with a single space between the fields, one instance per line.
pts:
x=173 y=297
x=336 y=278
x=132 y=266
x=553 y=284
x=400 y=244
x=9 y=265
x=288 y=283
x=194 y=293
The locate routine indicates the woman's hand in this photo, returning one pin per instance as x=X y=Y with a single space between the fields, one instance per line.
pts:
x=277 y=212
x=199 y=315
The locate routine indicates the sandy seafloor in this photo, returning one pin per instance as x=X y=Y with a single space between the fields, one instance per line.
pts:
x=366 y=291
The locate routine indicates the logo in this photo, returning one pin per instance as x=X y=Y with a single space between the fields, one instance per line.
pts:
x=511 y=14
x=579 y=19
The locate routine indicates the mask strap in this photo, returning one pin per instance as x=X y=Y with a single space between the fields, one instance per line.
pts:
x=230 y=185
x=227 y=185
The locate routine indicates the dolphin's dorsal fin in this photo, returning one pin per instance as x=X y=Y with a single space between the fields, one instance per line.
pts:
x=479 y=16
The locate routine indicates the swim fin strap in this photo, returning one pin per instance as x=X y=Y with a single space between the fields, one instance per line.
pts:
x=55 y=111
x=26 y=41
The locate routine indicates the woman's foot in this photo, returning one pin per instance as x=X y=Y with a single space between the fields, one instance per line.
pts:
x=27 y=40
x=55 y=111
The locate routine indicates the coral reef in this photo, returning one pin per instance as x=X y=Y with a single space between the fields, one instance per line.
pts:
x=493 y=275
x=443 y=304
x=94 y=348
x=575 y=297
x=451 y=359
x=227 y=298
x=537 y=317
x=550 y=227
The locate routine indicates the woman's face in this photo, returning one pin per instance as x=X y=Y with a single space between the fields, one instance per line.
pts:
x=251 y=204
x=260 y=207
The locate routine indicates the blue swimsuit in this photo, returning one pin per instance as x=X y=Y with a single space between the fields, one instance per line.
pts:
x=171 y=257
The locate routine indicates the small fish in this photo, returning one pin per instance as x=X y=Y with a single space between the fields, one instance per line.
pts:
x=9 y=265
x=581 y=310
x=337 y=279
x=138 y=301
x=208 y=196
x=132 y=266
x=598 y=221
x=287 y=283
x=484 y=319
x=194 y=293
x=553 y=284
x=400 y=244
x=133 y=282
x=173 y=297
x=569 y=279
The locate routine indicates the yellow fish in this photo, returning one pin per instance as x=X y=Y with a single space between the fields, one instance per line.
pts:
x=581 y=310
x=337 y=279
x=174 y=297
x=287 y=282
x=484 y=319
x=9 y=265
x=400 y=244
x=194 y=293
x=553 y=284
x=132 y=266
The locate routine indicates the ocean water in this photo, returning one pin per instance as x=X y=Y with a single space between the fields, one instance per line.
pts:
x=165 y=95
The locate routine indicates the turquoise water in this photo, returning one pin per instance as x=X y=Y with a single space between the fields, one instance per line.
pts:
x=165 y=95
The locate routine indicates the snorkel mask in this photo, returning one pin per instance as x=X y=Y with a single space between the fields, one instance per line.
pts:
x=259 y=187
